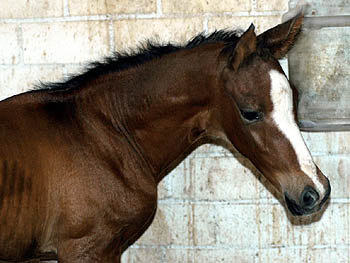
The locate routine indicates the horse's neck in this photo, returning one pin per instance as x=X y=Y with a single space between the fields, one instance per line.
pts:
x=167 y=109
x=161 y=106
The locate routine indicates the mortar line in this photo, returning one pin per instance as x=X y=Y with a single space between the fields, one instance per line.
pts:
x=111 y=36
x=83 y=18
x=261 y=201
x=253 y=2
x=227 y=154
x=21 y=44
x=159 y=8
x=66 y=11
x=234 y=248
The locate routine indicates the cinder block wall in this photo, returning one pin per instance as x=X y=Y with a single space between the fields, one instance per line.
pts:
x=212 y=207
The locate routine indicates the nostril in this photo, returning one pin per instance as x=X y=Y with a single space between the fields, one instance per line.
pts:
x=309 y=197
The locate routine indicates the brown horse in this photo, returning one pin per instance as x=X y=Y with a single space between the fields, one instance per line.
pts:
x=81 y=160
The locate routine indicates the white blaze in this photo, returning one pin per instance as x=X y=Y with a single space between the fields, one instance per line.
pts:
x=283 y=116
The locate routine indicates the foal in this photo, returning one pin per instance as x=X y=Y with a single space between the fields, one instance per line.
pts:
x=80 y=161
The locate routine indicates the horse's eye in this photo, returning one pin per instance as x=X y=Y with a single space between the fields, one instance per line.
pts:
x=251 y=116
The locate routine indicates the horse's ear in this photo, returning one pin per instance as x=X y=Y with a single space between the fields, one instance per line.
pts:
x=245 y=46
x=280 y=39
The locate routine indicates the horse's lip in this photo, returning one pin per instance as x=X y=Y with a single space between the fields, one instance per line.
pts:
x=295 y=209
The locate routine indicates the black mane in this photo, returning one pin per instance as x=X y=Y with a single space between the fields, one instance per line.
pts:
x=125 y=60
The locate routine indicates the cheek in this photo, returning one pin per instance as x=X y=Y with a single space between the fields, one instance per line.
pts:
x=270 y=147
x=260 y=140
x=261 y=134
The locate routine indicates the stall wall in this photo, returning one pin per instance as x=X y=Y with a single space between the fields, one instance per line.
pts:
x=214 y=207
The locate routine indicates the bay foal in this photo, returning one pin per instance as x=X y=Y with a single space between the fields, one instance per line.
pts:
x=80 y=161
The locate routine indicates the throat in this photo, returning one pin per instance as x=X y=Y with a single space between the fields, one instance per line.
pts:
x=167 y=141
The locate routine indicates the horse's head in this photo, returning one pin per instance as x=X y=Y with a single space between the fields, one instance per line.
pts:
x=258 y=115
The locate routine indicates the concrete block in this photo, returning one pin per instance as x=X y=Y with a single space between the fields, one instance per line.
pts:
x=199 y=6
x=182 y=184
x=175 y=181
x=31 y=9
x=210 y=255
x=229 y=22
x=88 y=7
x=277 y=228
x=125 y=256
x=214 y=150
x=225 y=224
x=206 y=224
x=309 y=255
x=271 y=5
x=336 y=168
x=14 y=80
x=131 y=33
x=164 y=188
x=261 y=23
x=126 y=7
x=225 y=255
x=328 y=142
x=136 y=255
x=10 y=46
x=222 y=178
x=66 y=42
x=274 y=226
x=172 y=225
x=285 y=255
x=328 y=255
x=180 y=255
x=330 y=228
